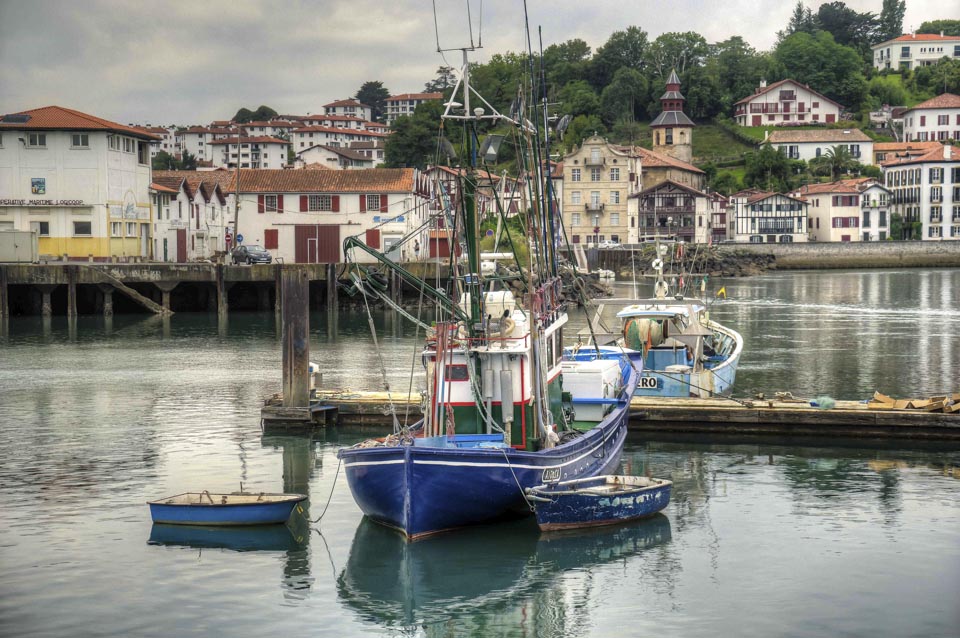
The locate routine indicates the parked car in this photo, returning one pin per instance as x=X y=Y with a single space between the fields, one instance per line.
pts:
x=251 y=255
x=608 y=243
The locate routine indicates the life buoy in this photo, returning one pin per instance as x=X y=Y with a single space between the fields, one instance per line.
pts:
x=657 y=264
x=660 y=288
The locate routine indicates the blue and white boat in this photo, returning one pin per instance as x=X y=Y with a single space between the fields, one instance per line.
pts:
x=685 y=353
x=504 y=410
x=237 y=508
x=598 y=500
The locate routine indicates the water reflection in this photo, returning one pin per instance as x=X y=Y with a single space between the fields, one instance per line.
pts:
x=506 y=575
x=260 y=538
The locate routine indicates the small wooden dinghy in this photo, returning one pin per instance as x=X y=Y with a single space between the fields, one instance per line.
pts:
x=237 y=508
x=598 y=500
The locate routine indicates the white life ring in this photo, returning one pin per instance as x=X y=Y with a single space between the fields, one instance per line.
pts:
x=657 y=264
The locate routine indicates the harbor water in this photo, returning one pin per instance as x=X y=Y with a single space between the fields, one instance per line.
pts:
x=763 y=536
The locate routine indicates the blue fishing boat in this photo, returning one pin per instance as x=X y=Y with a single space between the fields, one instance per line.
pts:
x=598 y=500
x=237 y=508
x=503 y=408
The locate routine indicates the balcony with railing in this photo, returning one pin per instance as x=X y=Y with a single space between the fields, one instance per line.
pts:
x=594 y=207
x=595 y=161
x=647 y=209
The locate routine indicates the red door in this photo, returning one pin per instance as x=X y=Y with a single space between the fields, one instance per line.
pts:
x=757 y=120
x=831 y=118
x=181 y=245
x=317 y=244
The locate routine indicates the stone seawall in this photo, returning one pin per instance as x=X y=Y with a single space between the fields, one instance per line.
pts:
x=879 y=254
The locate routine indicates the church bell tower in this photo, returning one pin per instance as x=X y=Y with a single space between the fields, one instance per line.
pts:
x=672 y=129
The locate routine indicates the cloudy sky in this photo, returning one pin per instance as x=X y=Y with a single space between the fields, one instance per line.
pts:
x=193 y=61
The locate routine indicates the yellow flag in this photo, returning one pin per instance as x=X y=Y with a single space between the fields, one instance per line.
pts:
x=722 y=291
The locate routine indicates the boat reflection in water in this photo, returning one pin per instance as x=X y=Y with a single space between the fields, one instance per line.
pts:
x=498 y=572
x=275 y=538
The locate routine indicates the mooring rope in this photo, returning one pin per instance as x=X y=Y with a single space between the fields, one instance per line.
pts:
x=329 y=498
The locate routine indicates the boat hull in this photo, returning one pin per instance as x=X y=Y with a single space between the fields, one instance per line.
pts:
x=215 y=514
x=568 y=509
x=426 y=490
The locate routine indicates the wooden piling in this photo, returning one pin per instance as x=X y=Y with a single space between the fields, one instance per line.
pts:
x=222 y=291
x=294 y=339
x=71 y=291
x=107 y=291
x=4 y=294
x=332 y=300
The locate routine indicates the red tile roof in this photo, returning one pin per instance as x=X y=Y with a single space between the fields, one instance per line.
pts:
x=921 y=37
x=263 y=139
x=934 y=155
x=333 y=129
x=373 y=180
x=161 y=188
x=222 y=178
x=350 y=102
x=844 y=186
x=818 y=135
x=909 y=147
x=652 y=159
x=60 y=118
x=942 y=101
x=415 y=96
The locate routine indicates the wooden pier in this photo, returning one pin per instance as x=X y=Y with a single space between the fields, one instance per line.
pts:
x=651 y=414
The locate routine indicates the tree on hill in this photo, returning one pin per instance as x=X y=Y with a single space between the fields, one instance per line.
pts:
x=835 y=162
x=374 y=95
x=627 y=48
x=625 y=97
x=413 y=142
x=566 y=62
x=768 y=169
x=446 y=79
x=949 y=27
x=890 y=24
x=830 y=68
x=848 y=27
x=802 y=20
x=164 y=161
x=677 y=51
x=262 y=114
x=934 y=79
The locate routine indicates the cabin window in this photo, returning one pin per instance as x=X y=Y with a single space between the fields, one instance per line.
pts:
x=457 y=372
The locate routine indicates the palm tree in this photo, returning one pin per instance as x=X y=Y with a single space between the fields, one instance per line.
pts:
x=839 y=160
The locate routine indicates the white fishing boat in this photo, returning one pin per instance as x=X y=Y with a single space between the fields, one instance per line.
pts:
x=685 y=353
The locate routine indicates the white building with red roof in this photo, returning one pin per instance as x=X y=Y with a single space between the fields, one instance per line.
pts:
x=306 y=136
x=196 y=140
x=847 y=210
x=785 y=103
x=350 y=107
x=915 y=49
x=79 y=181
x=926 y=189
x=936 y=120
x=250 y=152
x=407 y=103
x=303 y=216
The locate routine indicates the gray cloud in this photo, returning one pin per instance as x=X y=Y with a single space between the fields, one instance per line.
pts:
x=192 y=61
